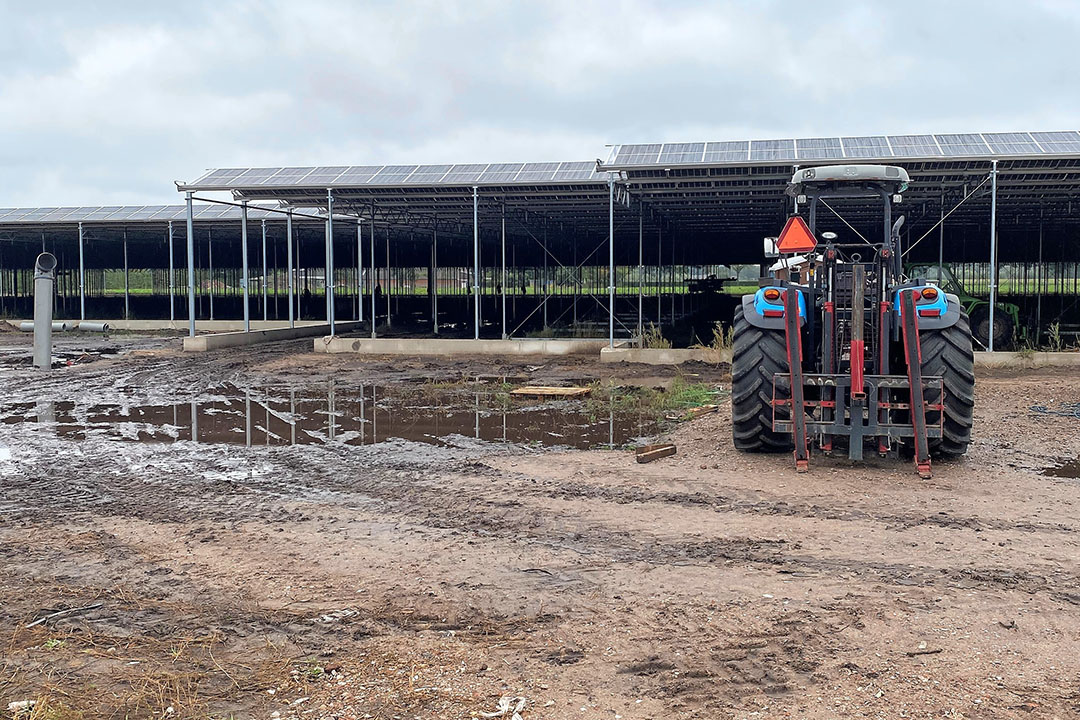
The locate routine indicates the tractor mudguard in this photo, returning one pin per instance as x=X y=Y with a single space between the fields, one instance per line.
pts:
x=755 y=317
x=950 y=317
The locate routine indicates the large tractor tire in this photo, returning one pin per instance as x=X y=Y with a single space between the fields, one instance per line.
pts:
x=948 y=353
x=757 y=355
x=1004 y=327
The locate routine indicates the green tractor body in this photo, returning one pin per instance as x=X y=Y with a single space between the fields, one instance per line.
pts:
x=1006 y=315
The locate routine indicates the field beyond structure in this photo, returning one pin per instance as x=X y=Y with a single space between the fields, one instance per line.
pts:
x=271 y=532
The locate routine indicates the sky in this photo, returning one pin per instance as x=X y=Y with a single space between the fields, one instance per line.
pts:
x=110 y=102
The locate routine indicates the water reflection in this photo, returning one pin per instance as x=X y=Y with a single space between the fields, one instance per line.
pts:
x=362 y=416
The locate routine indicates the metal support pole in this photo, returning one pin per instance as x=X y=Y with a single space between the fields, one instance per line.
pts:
x=291 y=275
x=172 y=278
x=547 y=284
x=476 y=262
x=329 y=279
x=127 y=286
x=434 y=279
x=374 y=280
x=611 y=260
x=993 y=253
x=1038 y=305
x=640 y=272
x=210 y=267
x=659 y=274
x=82 y=273
x=244 y=260
x=262 y=280
x=503 y=285
x=359 y=271
x=191 y=268
x=941 y=239
x=387 y=276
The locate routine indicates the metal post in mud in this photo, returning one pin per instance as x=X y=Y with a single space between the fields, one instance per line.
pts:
x=640 y=272
x=435 y=276
x=44 y=280
x=291 y=275
x=244 y=260
x=191 y=269
x=993 y=254
x=172 y=278
x=476 y=262
x=82 y=274
x=611 y=260
x=387 y=288
x=263 y=278
x=210 y=268
x=127 y=287
x=371 y=275
x=329 y=279
x=547 y=285
x=503 y=272
x=194 y=421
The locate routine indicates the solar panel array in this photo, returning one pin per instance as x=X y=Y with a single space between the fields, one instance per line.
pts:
x=875 y=147
x=132 y=213
x=392 y=175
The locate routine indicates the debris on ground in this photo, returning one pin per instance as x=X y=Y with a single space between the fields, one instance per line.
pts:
x=648 y=453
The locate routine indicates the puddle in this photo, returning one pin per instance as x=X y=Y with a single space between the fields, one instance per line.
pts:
x=1069 y=469
x=357 y=416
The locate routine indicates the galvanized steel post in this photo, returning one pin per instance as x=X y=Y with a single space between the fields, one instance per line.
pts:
x=244 y=260
x=476 y=262
x=993 y=253
x=191 y=266
x=640 y=271
x=127 y=286
x=172 y=278
x=503 y=272
x=359 y=270
x=263 y=278
x=435 y=275
x=329 y=280
x=82 y=273
x=374 y=280
x=291 y=275
x=611 y=260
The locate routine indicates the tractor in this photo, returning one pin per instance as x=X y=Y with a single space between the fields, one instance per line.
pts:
x=838 y=347
x=1006 y=315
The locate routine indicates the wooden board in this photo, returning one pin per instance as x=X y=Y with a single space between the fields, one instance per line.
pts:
x=695 y=413
x=649 y=453
x=545 y=391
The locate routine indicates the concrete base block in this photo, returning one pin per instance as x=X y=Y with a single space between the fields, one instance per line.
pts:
x=202 y=343
x=664 y=356
x=1027 y=361
x=440 y=346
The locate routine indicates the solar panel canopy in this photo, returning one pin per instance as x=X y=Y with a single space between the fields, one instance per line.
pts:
x=871 y=147
x=132 y=214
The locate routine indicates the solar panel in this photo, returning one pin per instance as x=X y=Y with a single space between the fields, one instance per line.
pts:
x=501 y=172
x=1011 y=143
x=537 y=172
x=429 y=173
x=914 y=145
x=819 y=149
x=287 y=176
x=321 y=176
x=392 y=175
x=772 y=150
x=358 y=174
x=144 y=213
x=873 y=146
x=466 y=173
x=638 y=154
x=962 y=144
x=737 y=151
x=682 y=152
x=575 y=171
x=1057 y=142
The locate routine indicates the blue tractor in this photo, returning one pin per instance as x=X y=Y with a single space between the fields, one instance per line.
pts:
x=838 y=347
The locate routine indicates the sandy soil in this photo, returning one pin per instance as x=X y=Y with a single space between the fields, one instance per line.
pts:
x=413 y=581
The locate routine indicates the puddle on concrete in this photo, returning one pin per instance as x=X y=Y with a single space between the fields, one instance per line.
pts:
x=1069 y=469
x=360 y=416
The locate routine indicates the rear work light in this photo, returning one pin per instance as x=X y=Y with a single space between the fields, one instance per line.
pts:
x=771 y=294
x=929 y=293
x=774 y=313
x=930 y=312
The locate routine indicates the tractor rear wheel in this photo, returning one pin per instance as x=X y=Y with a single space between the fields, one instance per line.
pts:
x=757 y=355
x=1004 y=327
x=948 y=353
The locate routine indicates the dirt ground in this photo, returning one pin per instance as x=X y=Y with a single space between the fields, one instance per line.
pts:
x=405 y=580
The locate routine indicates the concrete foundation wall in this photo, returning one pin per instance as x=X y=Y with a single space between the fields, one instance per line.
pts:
x=202 y=343
x=664 y=356
x=1027 y=360
x=438 y=346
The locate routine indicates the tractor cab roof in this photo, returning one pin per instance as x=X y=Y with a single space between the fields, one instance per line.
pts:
x=894 y=178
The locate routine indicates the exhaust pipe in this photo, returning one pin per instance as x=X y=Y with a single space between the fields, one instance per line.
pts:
x=44 y=279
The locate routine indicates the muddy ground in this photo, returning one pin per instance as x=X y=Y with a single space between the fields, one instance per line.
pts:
x=409 y=580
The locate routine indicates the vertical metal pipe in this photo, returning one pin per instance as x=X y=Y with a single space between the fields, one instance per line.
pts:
x=640 y=272
x=127 y=287
x=476 y=262
x=210 y=267
x=82 y=272
x=993 y=253
x=291 y=275
x=172 y=277
x=659 y=272
x=374 y=280
x=191 y=273
x=941 y=238
x=387 y=276
x=1038 y=305
x=435 y=274
x=547 y=285
x=503 y=272
x=244 y=260
x=611 y=260
x=359 y=270
x=329 y=279
x=262 y=280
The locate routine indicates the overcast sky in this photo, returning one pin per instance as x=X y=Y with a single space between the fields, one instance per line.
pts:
x=108 y=103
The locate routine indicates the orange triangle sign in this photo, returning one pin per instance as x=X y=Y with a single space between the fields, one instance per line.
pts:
x=796 y=237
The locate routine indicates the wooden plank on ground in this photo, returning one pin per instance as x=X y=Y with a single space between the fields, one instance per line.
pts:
x=695 y=413
x=546 y=391
x=648 y=453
